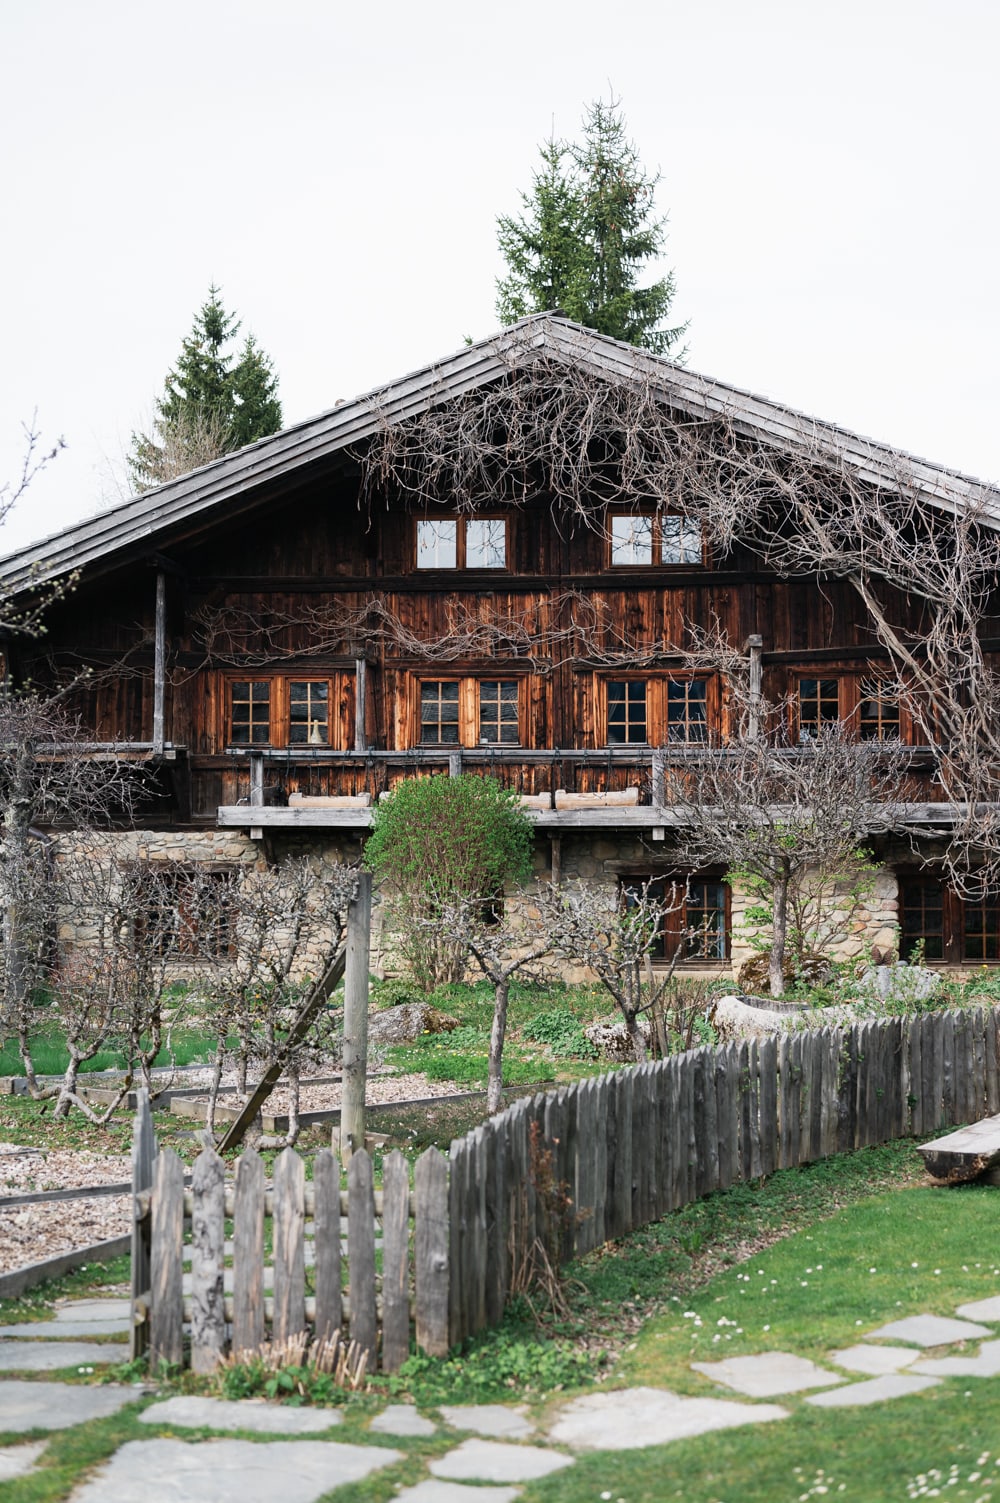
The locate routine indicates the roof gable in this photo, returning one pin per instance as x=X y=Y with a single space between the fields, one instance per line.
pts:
x=145 y=521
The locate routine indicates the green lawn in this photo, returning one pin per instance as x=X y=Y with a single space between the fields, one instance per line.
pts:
x=50 y=1056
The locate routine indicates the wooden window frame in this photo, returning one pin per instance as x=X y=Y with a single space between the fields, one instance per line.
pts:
x=851 y=695
x=954 y=913
x=280 y=720
x=185 y=943
x=657 y=706
x=469 y=721
x=656 y=560
x=461 y=565
x=629 y=681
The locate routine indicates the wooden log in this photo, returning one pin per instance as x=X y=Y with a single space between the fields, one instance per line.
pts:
x=754 y=1171
x=496 y=1225
x=785 y=1146
x=828 y=1109
x=327 y=1234
x=289 y=1245
x=457 y=1160
x=940 y=1111
x=586 y=1165
x=395 y=1262
x=431 y=1253
x=477 y=1226
x=640 y=1144
x=769 y=1132
x=668 y=1135
x=623 y=1159
x=965 y=1154
x=992 y=1063
x=703 y=1082
x=361 y=1253
x=741 y=1064
x=979 y=1106
x=813 y=1057
x=143 y=1154
x=847 y=1095
x=248 y=1254
x=166 y=1334
x=915 y=1107
x=690 y=1140
x=208 y=1241
x=598 y=1091
x=949 y=1093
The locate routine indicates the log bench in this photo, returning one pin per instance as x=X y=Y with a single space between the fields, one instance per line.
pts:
x=965 y=1154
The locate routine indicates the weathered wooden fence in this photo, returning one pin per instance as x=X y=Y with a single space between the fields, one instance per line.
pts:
x=628 y=1146
x=396 y=1245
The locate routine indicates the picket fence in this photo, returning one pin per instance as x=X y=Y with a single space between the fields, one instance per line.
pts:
x=568 y=1169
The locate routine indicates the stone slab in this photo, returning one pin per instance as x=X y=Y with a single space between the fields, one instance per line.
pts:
x=494 y=1420
x=436 y=1491
x=931 y=1330
x=230 y=1471
x=981 y=1309
x=770 y=1373
x=633 y=1418
x=64 y=1328
x=56 y=1406
x=191 y=1412
x=491 y=1461
x=986 y=1365
x=93 y=1309
x=873 y=1360
x=402 y=1419
x=47 y=1356
x=18 y=1461
x=875 y=1391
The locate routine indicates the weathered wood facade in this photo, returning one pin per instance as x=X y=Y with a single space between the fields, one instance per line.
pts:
x=281 y=647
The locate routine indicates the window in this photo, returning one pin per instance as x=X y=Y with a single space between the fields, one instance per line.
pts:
x=286 y=711
x=470 y=712
x=462 y=543
x=878 y=711
x=186 y=915
x=687 y=710
x=439 y=713
x=818 y=706
x=640 y=540
x=946 y=927
x=626 y=712
x=498 y=712
x=250 y=712
x=698 y=919
x=309 y=712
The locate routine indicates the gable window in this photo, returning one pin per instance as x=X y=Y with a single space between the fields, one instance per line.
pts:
x=934 y=920
x=461 y=543
x=626 y=712
x=640 y=540
x=439 y=712
x=687 y=709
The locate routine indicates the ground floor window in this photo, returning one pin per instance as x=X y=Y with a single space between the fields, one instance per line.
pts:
x=935 y=921
x=697 y=923
x=187 y=914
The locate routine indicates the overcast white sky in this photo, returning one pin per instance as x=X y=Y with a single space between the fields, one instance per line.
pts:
x=829 y=168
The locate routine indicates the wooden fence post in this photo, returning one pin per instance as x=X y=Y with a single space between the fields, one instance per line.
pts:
x=431 y=1252
x=361 y=1253
x=143 y=1154
x=355 y=1066
x=289 y=1245
x=326 y=1224
x=395 y=1262
x=248 y=1253
x=208 y=1317
x=166 y=1324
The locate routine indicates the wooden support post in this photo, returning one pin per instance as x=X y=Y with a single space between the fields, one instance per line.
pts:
x=754 y=649
x=556 y=860
x=256 y=791
x=360 y=699
x=143 y=1155
x=355 y=1069
x=159 y=663
x=455 y=764
x=657 y=781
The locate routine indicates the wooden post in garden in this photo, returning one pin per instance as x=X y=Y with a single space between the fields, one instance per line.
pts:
x=355 y=1068
x=143 y=1155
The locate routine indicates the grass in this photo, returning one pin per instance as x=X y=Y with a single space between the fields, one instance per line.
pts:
x=50 y=1056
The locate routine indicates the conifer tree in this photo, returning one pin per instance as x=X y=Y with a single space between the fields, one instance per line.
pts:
x=211 y=403
x=588 y=229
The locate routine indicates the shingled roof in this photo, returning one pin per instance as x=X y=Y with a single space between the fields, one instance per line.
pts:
x=147 y=522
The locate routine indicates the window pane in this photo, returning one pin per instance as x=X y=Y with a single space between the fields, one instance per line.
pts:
x=626 y=711
x=437 y=544
x=498 y=720
x=878 y=712
x=250 y=713
x=705 y=920
x=687 y=718
x=486 y=543
x=308 y=713
x=439 y=713
x=819 y=706
x=981 y=930
x=681 y=540
x=631 y=540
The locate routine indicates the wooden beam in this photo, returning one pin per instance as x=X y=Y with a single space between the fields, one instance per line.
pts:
x=360 y=701
x=159 y=662
x=755 y=650
x=355 y=1067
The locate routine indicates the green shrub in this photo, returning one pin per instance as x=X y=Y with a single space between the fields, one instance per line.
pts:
x=560 y=1031
x=493 y=1366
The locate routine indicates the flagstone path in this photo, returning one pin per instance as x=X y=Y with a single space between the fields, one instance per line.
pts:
x=503 y=1445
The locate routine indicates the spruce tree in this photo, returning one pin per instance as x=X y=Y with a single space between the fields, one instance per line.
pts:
x=588 y=229
x=210 y=404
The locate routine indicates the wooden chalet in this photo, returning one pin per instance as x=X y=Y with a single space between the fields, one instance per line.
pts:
x=285 y=633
